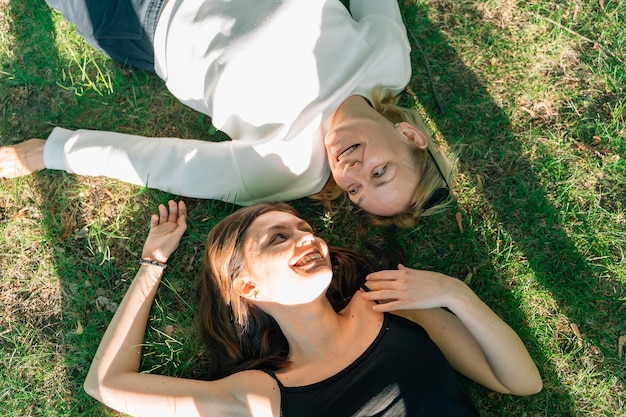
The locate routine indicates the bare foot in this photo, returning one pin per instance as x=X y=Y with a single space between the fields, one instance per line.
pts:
x=21 y=159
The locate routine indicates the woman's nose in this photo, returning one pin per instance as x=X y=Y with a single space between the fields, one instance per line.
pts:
x=305 y=238
x=352 y=169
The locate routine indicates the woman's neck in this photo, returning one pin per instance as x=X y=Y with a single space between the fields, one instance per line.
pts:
x=322 y=342
x=310 y=330
x=353 y=106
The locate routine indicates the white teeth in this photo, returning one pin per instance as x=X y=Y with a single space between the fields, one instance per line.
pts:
x=308 y=258
x=346 y=152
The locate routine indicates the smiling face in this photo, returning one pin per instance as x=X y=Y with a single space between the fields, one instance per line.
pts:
x=371 y=160
x=284 y=262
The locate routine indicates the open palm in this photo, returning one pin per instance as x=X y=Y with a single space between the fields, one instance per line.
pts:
x=166 y=229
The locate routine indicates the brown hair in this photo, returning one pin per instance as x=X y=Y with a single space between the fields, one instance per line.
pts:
x=239 y=335
x=386 y=104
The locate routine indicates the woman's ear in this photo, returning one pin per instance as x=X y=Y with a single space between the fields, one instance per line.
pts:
x=413 y=134
x=245 y=288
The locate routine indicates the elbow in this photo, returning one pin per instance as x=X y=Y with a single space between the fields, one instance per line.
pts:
x=92 y=386
x=530 y=390
x=90 y=389
x=534 y=384
x=534 y=388
x=531 y=386
x=528 y=382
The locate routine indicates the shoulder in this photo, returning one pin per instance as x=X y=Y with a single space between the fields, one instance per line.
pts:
x=245 y=393
x=358 y=306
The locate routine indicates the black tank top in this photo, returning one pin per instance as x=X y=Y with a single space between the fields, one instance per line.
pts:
x=402 y=373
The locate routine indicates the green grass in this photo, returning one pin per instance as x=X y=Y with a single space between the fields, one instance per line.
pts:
x=532 y=95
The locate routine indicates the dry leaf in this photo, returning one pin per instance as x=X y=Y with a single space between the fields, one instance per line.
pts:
x=479 y=181
x=620 y=345
x=459 y=221
x=79 y=328
x=469 y=277
x=579 y=336
x=529 y=111
x=169 y=329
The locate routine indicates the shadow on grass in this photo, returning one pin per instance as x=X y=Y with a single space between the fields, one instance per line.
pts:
x=32 y=70
x=27 y=85
x=465 y=113
x=32 y=91
x=94 y=228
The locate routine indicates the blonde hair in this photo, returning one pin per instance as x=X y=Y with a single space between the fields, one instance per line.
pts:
x=384 y=101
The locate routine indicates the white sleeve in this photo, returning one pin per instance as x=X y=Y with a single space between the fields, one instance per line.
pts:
x=231 y=171
x=362 y=8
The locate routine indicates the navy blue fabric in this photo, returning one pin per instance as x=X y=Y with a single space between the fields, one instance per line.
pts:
x=122 y=29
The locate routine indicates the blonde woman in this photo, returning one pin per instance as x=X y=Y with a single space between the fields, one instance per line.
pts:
x=304 y=89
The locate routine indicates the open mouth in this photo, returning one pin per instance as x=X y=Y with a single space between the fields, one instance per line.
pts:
x=308 y=258
x=347 y=152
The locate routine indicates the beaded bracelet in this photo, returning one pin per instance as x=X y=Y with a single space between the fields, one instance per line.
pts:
x=151 y=262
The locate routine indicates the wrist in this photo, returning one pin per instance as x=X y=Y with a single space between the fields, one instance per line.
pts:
x=154 y=255
x=460 y=295
x=34 y=159
x=148 y=261
x=149 y=276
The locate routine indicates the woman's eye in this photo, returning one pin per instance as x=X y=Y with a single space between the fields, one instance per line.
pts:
x=278 y=237
x=353 y=190
x=380 y=172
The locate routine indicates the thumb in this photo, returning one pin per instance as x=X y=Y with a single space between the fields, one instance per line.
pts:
x=401 y=267
x=154 y=220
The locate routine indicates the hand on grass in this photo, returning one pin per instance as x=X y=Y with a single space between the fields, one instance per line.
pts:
x=22 y=159
x=166 y=230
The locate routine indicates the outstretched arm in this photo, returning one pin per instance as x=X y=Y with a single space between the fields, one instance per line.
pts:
x=119 y=353
x=114 y=377
x=244 y=172
x=474 y=339
x=22 y=159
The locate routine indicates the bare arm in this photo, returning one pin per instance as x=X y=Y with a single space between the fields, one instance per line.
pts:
x=114 y=377
x=474 y=339
x=22 y=159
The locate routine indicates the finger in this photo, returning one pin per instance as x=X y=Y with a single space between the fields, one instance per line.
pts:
x=173 y=210
x=182 y=212
x=390 y=306
x=162 y=213
x=182 y=208
x=182 y=222
x=182 y=225
x=154 y=220
x=378 y=285
x=382 y=275
x=380 y=295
